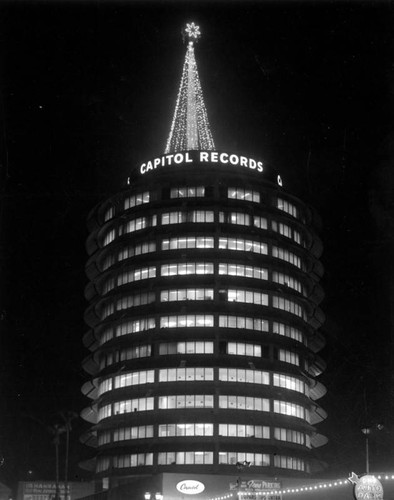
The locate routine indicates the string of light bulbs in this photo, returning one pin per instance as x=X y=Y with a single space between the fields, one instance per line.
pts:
x=190 y=128
x=295 y=490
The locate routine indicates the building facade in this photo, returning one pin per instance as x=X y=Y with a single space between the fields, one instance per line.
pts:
x=204 y=320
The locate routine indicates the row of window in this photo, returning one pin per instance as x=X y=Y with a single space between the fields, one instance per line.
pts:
x=199 y=216
x=200 y=429
x=200 y=191
x=189 y=347
x=190 y=293
x=207 y=320
x=204 y=374
x=201 y=242
x=182 y=268
x=129 y=251
x=182 y=401
x=183 y=294
x=201 y=458
x=230 y=295
x=127 y=302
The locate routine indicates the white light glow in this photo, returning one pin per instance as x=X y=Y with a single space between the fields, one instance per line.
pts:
x=192 y=30
x=190 y=128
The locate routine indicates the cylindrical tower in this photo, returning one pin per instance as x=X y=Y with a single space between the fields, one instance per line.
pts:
x=204 y=314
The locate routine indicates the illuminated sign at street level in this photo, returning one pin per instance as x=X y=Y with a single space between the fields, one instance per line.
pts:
x=201 y=157
x=190 y=487
x=366 y=487
x=44 y=490
x=295 y=491
x=255 y=489
x=255 y=485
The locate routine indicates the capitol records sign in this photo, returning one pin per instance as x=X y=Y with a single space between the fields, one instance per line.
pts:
x=190 y=487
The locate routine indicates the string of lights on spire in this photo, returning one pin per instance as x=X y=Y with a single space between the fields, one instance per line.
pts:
x=190 y=128
x=295 y=490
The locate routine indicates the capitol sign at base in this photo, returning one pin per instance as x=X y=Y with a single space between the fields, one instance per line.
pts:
x=190 y=487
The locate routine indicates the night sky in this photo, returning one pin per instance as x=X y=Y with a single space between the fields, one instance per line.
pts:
x=88 y=91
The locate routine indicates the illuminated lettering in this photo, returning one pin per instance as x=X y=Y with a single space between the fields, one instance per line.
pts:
x=222 y=158
x=234 y=160
x=178 y=158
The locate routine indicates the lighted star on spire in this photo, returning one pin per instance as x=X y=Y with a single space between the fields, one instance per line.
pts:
x=192 y=31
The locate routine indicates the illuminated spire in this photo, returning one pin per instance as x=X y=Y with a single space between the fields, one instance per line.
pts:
x=190 y=127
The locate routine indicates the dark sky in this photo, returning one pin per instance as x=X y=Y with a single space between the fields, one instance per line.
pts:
x=88 y=90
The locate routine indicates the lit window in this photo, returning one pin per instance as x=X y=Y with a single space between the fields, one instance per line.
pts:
x=137 y=199
x=240 y=218
x=288 y=331
x=187 y=268
x=189 y=347
x=180 y=217
x=133 y=405
x=254 y=459
x=110 y=212
x=187 y=320
x=242 y=245
x=141 y=351
x=287 y=207
x=260 y=222
x=188 y=192
x=135 y=326
x=137 y=432
x=136 y=275
x=288 y=382
x=289 y=463
x=134 y=378
x=138 y=299
x=133 y=460
x=189 y=429
x=243 y=322
x=244 y=431
x=289 y=435
x=243 y=270
x=186 y=294
x=244 y=403
x=243 y=349
x=187 y=242
x=247 y=296
x=185 y=457
x=140 y=249
x=244 y=376
x=289 y=357
x=288 y=306
x=109 y=237
x=292 y=409
x=105 y=386
x=104 y=412
x=292 y=258
x=186 y=401
x=185 y=374
x=287 y=280
x=243 y=194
